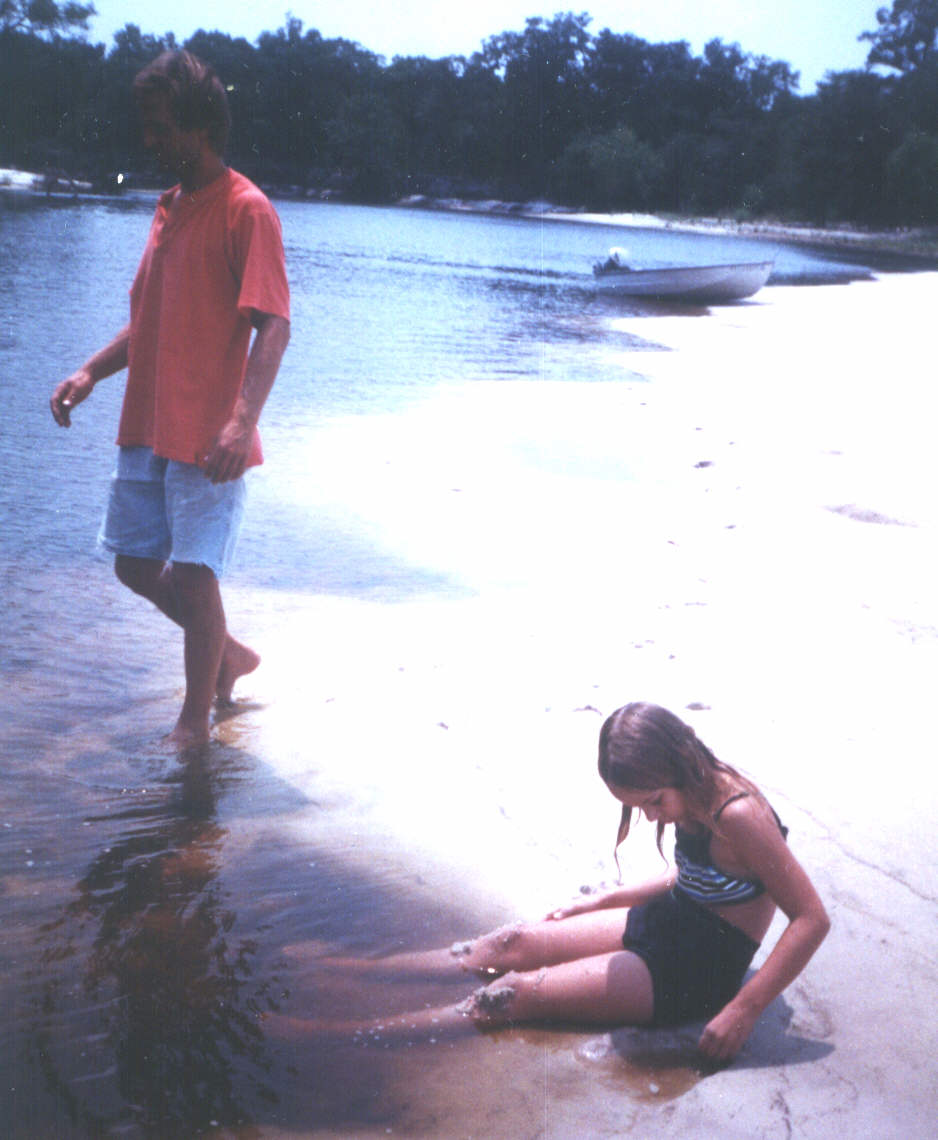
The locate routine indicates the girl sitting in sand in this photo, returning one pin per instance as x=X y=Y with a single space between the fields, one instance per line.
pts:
x=666 y=952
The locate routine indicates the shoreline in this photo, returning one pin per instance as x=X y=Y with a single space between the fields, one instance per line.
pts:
x=915 y=247
x=903 y=247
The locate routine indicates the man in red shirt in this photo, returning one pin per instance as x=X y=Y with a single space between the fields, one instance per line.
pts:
x=211 y=274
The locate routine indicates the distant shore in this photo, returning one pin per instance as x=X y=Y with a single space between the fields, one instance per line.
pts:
x=908 y=245
x=915 y=245
x=903 y=247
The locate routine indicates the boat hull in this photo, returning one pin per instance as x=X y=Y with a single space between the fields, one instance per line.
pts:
x=687 y=283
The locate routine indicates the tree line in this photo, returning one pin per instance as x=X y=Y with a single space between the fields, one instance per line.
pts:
x=605 y=121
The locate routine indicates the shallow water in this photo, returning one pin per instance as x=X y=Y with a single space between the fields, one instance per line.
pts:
x=145 y=902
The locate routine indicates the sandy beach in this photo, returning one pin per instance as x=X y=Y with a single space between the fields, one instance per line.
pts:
x=766 y=481
x=905 y=240
x=904 y=244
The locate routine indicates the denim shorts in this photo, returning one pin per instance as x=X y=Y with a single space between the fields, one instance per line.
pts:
x=170 y=511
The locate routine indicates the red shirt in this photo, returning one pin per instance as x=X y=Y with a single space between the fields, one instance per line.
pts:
x=211 y=257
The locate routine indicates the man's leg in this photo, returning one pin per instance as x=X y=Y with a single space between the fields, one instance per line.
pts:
x=155 y=581
x=203 y=621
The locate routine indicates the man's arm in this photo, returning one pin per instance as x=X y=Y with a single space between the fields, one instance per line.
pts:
x=77 y=387
x=228 y=455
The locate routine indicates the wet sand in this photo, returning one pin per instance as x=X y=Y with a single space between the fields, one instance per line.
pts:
x=747 y=536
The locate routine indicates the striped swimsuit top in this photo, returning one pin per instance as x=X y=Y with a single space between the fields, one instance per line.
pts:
x=698 y=879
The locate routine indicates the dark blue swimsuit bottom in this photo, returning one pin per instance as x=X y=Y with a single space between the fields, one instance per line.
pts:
x=696 y=959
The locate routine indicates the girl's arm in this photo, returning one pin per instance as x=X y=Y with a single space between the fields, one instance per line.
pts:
x=762 y=848
x=618 y=897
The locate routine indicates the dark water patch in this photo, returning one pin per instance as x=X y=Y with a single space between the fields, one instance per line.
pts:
x=139 y=999
x=879 y=260
x=866 y=515
x=820 y=276
x=139 y=990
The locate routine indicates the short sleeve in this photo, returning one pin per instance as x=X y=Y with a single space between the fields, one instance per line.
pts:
x=261 y=260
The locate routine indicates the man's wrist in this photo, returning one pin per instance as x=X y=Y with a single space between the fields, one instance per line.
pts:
x=243 y=417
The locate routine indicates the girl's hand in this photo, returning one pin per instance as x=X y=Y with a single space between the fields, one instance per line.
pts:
x=578 y=906
x=724 y=1036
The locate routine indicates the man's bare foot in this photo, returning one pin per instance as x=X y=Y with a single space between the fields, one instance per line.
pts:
x=189 y=738
x=237 y=661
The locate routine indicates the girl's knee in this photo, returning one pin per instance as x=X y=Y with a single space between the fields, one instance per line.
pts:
x=493 y=1004
x=511 y=998
x=508 y=948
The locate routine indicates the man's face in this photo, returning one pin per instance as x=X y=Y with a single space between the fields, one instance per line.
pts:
x=176 y=150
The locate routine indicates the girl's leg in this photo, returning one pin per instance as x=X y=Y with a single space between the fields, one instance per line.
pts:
x=606 y=989
x=519 y=947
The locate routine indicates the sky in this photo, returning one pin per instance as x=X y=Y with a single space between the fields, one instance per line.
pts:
x=814 y=36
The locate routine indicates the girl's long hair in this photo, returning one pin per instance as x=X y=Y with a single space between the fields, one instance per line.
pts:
x=643 y=747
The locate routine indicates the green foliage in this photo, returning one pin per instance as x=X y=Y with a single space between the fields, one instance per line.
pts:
x=912 y=179
x=542 y=76
x=44 y=17
x=608 y=121
x=853 y=127
x=905 y=38
x=610 y=171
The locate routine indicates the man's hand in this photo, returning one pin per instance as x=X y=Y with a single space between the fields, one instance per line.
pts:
x=228 y=456
x=112 y=358
x=70 y=392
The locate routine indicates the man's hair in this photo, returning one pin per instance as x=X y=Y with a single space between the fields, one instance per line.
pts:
x=194 y=94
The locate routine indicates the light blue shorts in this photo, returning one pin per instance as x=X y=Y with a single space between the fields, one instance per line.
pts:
x=159 y=508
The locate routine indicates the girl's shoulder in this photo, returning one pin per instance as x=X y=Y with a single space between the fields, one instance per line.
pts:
x=746 y=810
x=729 y=800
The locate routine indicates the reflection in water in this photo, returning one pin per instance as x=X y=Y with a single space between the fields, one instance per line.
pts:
x=657 y=1066
x=167 y=1035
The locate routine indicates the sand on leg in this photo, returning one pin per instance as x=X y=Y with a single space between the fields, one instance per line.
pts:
x=606 y=989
